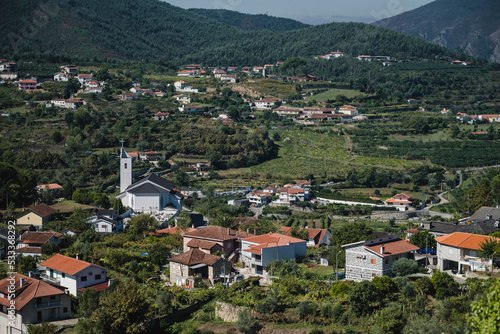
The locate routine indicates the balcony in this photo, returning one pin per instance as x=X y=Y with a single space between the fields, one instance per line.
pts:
x=50 y=279
x=52 y=304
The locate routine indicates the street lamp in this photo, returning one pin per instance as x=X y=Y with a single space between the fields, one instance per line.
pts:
x=337 y=265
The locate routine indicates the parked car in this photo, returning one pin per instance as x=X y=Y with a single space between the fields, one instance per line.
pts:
x=426 y=251
x=454 y=271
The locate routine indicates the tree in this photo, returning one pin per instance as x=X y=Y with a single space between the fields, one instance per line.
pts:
x=421 y=239
x=181 y=178
x=50 y=248
x=362 y=297
x=246 y=323
x=164 y=302
x=159 y=254
x=141 y=224
x=488 y=248
x=292 y=63
x=349 y=233
x=306 y=308
x=444 y=285
x=43 y=328
x=391 y=320
x=385 y=286
x=27 y=263
x=88 y=301
x=299 y=233
x=485 y=312
x=404 y=267
x=122 y=310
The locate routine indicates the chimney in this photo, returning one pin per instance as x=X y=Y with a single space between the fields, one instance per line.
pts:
x=21 y=282
x=30 y=274
x=382 y=250
x=77 y=256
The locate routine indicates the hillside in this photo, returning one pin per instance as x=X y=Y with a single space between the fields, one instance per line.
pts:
x=249 y=21
x=154 y=30
x=472 y=26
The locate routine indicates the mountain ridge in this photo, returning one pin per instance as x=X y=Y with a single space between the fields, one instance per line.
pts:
x=469 y=26
x=154 y=30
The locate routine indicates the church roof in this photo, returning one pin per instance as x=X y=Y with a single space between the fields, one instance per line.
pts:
x=152 y=184
x=124 y=154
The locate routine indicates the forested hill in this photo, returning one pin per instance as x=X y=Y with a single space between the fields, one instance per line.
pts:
x=249 y=21
x=473 y=26
x=154 y=30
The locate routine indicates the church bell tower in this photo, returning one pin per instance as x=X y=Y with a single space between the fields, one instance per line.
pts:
x=125 y=170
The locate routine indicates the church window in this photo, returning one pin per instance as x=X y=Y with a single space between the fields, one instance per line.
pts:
x=125 y=165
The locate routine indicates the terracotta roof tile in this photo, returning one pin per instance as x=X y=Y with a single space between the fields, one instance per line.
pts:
x=464 y=240
x=39 y=238
x=196 y=243
x=273 y=238
x=32 y=288
x=393 y=247
x=216 y=233
x=66 y=264
x=43 y=210
x=195 y=256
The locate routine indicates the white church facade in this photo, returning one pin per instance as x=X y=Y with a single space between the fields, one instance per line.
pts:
x=148 y=195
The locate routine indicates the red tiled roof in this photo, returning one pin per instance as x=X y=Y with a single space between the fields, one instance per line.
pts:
x=170 y=230
x=272 y=239
x=464 y=240
x=38 y=238
x=49 y=186
x=195 y=256
x=32 y=288
x=30 y=250
x=27 y=81
x=393 y=247
x=66 y=264
x=98 y=287
x=216 y=233
x=43 y=210
x=203 y=244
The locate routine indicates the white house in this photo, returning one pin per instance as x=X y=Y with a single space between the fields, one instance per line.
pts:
x=106 y=221
x=60 y=76
x=259 y=198
x=461 y=251
x=348 y=110
x=71 y=273
x=33 y=301
x=258 y=251
x=264 y=104
x=83 y=78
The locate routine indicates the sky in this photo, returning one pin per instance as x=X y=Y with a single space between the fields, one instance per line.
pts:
x=311 y=11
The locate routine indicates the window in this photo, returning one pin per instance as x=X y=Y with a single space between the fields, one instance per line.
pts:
x=63 y=275
x=373 y=261
x=65 y=310
x=98 y=276
x=450 y=251
x=125 y=165
x=52 y=297
x=83 y=279
x=386 y=261
x=228 y=245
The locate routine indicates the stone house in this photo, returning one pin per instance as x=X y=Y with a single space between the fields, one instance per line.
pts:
x=367 y=259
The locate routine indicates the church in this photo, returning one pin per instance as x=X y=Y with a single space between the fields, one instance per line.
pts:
x=148 y=195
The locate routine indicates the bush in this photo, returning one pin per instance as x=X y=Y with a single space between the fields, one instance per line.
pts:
x=246 y=323
x=404 y=267
x=305 y=308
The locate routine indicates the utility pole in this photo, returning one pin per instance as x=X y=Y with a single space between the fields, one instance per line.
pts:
x=337 y=265
x=309 y=155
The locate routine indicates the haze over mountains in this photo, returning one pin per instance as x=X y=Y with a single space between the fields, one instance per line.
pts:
x=472 y=26
x=154 y=30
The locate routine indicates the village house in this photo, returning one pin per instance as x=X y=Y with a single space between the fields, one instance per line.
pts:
x=193 y=265
x=348 y=110
x=264 y=104
x=401 y=201
x=365 y=58
x=160 y=116
x=316 y=236
x=219 y=73
x=84 y=78
x=37 y=216
x=8 y=75
x=288 y=111
x=106 y=221
x=181 y=86
x=184 y=99
x=259 y=198
x=489 y=118
x=211 y=239
x=186 y=73
x=367 y=259
x=34 y=301
x=461 y=251
x=30 y=243
x=68 y=103
x=54 y=189
x=128 y=97
x=73 y=274
x=258 y=251
x=27 y=84
x=68 y=69
x=8 y=67
x=60 y=76
x=229 y=78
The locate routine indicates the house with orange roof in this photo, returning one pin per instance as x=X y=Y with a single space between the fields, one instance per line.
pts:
x=258 y=251
x=348 y=110
x=316 y=236
x=461 y=251
x=37 y=216
x=73 y=274
x=54 y=188
x=401 y=201
x=30 y=301
x=84 y=78
x=211 y=239
x=194 y=265
x=259 y=198
x=365 y=260
x=27 y=84
x=264 y=104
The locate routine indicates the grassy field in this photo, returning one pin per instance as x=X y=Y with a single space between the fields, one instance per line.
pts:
x=70 y=206
x=386 y=162
x=317 y=269
x=331 y=94
x=270 y=87
x=326 y=149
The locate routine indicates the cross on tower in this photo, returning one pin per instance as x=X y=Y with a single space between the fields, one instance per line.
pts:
x=122 y=141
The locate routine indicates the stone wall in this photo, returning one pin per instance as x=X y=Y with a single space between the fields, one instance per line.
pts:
x=227 y=312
